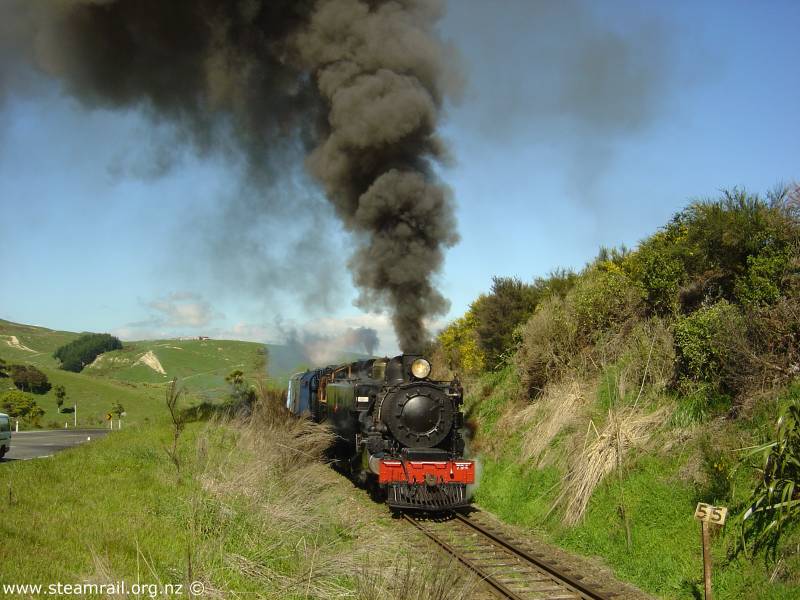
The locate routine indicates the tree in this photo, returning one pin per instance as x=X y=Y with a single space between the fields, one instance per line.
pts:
x=499 y=313
x=117 y=409
x=235 y=378
x=241 y=393
x=82 y=351
x=3 y=368
x=21 y=406
x=29 y=379
x=61 y=393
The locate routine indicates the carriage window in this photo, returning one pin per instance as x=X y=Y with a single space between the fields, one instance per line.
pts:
x=4 y=424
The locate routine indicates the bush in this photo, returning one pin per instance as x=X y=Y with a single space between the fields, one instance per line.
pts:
x=21 y=406
x=29 y=379
x=460 y=347
x=706 y=342
x=604 y=299
x=549 y=345
x=762 y=283
x=499 y=313
x=80 y=352
x=769 y=354
x=659 y=269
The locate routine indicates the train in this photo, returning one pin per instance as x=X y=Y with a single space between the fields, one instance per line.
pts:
x=398 y=431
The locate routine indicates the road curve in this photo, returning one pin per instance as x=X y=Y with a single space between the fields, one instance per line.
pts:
x=26 y=445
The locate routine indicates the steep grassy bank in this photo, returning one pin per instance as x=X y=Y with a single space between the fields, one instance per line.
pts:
x=639 y=518
x=607 y=403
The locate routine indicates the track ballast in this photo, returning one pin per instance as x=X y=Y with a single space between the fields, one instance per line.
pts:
x=511 y=571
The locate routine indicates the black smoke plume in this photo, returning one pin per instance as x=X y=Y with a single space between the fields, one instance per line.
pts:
x=321 y=349
x=355 y=85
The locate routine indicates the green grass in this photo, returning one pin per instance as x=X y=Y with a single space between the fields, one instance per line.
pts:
x=115 y=497
x=41 y=342
x=235 y=519
x=200 y=365
x=659 y=499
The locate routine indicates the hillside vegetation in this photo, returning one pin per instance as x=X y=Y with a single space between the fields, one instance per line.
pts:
x=607 y=403
x=78 y=353
x=244 y=507
x=133 y=376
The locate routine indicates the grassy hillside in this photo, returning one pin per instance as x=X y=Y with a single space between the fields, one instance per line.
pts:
x=135 y=375
x=247 y=515
x=200 y=365
x=94 y=396
x=30 y=344
x=607 y=403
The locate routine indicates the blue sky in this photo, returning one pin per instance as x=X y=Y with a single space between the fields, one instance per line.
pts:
x=581 y=124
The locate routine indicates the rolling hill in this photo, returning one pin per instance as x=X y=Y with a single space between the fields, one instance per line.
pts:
x=135 y=376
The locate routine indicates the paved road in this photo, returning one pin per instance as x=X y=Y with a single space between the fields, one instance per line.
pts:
x=40 y=444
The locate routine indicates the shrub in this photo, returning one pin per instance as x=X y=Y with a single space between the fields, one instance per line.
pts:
x=82 y=351
x=21 y=406
x=460 y=347
x=698 y=337
x=499 y=313
x=557 y=283
x=604 y=299
x=774 y=504
x=769 y=354
x=29 y=379
x=727 y=236
x=713 y=352
x=659 y=269
x=762 y=283
x=549 y=344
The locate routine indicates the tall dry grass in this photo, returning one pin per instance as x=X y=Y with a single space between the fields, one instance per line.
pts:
x=541 y=421
x=604 y=451
x=311 y=534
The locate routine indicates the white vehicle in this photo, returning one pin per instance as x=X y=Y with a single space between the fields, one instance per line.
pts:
x=5 y=434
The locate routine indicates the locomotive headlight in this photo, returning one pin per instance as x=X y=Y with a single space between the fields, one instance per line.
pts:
x=420 y=368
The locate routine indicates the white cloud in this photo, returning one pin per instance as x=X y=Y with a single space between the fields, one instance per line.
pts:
x=172 y=316
x=183 y=309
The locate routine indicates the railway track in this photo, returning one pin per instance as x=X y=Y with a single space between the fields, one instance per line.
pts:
x=511 y=571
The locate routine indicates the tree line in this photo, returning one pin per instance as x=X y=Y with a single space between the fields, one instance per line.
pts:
x=78 y=353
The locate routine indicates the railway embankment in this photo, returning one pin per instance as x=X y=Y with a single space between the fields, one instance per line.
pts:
x=607 y=403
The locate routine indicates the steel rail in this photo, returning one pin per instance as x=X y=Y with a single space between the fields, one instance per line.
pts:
x=575 y=584
x=568 y=582
x=464 y=561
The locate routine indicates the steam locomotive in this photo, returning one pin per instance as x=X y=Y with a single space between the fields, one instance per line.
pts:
x=398 y=430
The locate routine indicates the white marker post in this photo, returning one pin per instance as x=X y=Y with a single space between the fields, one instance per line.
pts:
x=76 y=415
x=705 y=513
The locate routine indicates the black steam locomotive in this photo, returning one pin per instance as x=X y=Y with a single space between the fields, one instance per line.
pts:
x=398 y=430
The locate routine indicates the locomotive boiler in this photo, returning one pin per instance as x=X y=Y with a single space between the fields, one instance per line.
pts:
x=398 y=431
